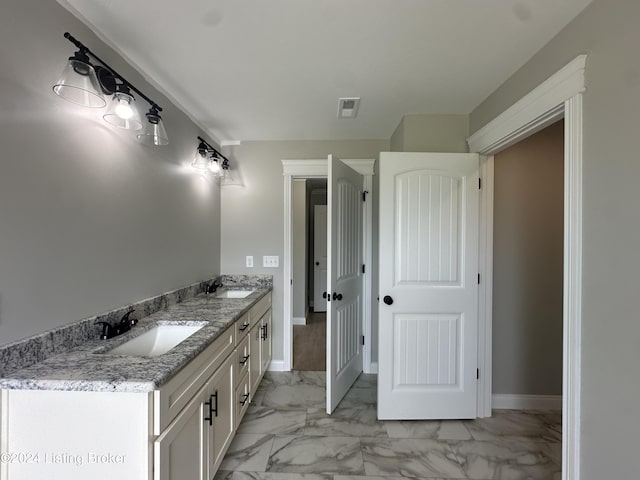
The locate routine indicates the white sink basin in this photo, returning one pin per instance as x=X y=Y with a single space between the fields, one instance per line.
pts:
x=160 y=339
x=234 y=294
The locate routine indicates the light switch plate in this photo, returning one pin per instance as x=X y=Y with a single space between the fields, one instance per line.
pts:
x=249 y=262
x=271 y=261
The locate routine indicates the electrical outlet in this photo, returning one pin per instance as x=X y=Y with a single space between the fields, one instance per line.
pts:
x=249 y=262
x=271 y=261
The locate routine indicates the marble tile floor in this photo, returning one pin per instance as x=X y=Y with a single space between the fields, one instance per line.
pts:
x=286 y=435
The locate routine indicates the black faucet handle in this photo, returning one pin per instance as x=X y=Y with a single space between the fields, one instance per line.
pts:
x=213 y=286
x=125 y=320
x=107 y=330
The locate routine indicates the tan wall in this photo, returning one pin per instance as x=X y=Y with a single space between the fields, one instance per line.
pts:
x=527 y=265
x=431 y=133
x=607 y=30
x=90 y=220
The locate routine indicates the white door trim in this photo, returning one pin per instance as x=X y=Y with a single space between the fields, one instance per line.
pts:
x=557 y=97
x=318 y=168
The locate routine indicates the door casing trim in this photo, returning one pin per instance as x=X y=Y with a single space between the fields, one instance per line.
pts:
x=318 y=168
x=557 y=97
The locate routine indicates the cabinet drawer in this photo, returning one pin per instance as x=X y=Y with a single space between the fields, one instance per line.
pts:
x=243 y=397
x=242 y=359
x=259 y=308
x=242 y=326
x=177 y=392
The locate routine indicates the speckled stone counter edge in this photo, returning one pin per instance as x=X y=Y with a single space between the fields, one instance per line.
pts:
x=37 y=348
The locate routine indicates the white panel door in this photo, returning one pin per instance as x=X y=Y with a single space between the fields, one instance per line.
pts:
x=320 y=258
x=428 y=306
x=344 y=285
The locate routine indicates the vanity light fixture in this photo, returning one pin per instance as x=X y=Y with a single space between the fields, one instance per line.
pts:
x=209 y=159
x=85 y=84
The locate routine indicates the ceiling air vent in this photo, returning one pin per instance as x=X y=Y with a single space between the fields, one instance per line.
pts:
x=348 y=107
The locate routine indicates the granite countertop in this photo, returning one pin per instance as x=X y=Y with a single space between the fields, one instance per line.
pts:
x=88 y=368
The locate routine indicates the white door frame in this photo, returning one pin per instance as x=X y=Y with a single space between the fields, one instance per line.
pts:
x=292 y=169
x=557 y=97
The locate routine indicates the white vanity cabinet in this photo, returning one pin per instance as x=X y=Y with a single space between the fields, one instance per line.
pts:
x=193 y=445
x=180 y=431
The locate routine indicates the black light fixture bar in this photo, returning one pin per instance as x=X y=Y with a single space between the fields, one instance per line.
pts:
x=216 y=152
x=86 y=50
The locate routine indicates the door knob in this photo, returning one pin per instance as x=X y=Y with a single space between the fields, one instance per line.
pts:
x=387 y=299
x=337 y=296
x=324 y=294
x=317 y=263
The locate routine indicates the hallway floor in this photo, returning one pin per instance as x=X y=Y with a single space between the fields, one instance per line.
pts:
x=286 y=435
x=310 y=343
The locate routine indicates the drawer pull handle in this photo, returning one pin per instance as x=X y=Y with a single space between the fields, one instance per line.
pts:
x=244 y=360
x=214 y=410
x=209 y=418
x=244 y=327
x=244 y=400
x=264 y=331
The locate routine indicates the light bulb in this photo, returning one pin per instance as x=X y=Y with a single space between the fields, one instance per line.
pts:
x=123 y=109
x=215 y=167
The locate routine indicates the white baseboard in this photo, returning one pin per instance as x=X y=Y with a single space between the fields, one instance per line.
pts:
x=526 y=402
x=299 y=320
x=277 y=366
x=373 y=368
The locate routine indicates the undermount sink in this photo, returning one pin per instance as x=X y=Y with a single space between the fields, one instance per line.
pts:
x=156 y=341
x=234 y=294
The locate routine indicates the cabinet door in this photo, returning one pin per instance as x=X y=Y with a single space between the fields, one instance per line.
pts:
x=265 y=335
x=243 y=397
x=255 y=362
x=178 y=451
x=243 y=359
x=221 y=391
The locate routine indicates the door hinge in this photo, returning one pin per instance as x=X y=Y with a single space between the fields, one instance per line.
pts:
x=479 y=183
x=478 y=279
x=364 y=195
x=363 y=268
x=362 y=339
x=477 y=374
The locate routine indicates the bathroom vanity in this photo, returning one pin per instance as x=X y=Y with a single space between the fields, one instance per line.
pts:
x=92 y=413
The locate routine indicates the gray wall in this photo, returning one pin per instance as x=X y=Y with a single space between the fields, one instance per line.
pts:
x=299 y=253
x=608 y=32
x=396 y=144
x=527 y=265
x=431 y=133
x=90 y=220
x=253 y=217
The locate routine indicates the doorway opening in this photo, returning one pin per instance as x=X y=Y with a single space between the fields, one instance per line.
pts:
x=528 y=262
x=318 y=169
x=560 y=96
x=309 y=274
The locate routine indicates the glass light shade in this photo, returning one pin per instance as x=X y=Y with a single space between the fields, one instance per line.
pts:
x=214 y=166
x=122 y=112
x=231 y=179
x=201 y=162
x=79 y=84
x=153 y=132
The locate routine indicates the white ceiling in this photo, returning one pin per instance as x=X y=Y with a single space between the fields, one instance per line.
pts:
x=274 y=69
